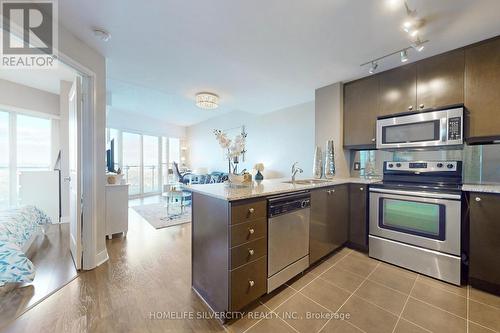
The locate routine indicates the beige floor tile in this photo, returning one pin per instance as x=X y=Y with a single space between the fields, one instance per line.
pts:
x=320 y=267
x=296 y=312
x=368 y=317
x=484 y=315
x=441 y=298
x=484 y=297
x=386 y=298
x=253 y=314
x=342 y=278
x=462 y=291
x=338 y=255
x=404 y=326
x=326 y=294
x=475 y=328
x=301 y=280
x=278 y=296
x=357 y=264
x=274 y=325
x=394 y=278
x=340 y=326
x=432 y=318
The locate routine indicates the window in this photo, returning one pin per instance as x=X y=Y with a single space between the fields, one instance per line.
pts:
x=4 y=159
x=132 y=161
x=151 y=167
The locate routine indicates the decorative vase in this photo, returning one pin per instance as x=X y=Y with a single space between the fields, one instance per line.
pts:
x=259 y=176
x=330 y=160
x=318 y=163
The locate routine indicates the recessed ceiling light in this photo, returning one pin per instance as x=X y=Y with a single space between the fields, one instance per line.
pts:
x=102 y=34
x=404 y=56
x=373 y=67
x=207 y=101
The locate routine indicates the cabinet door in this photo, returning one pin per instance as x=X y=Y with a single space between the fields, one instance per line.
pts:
x=361 y=107
x=440 y=80
x=484 y=239
x=398 y=90
x=358 y=223
x=328 y=224
x=482 y=97
x=338 y=215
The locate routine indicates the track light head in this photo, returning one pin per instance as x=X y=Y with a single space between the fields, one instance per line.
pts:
x=373 y=67
x=404 y=55
x=418 y=45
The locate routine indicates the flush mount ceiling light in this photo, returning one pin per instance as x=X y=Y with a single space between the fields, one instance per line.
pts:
x=207 y=101
x=404 y=55
x=373 y=67
x=102 y=34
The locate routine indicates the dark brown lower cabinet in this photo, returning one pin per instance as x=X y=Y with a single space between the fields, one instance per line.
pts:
x=484 y=251
x=358 y=217
x=329 y=220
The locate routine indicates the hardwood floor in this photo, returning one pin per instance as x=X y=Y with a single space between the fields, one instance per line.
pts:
x=54 y=268
x=147 y=276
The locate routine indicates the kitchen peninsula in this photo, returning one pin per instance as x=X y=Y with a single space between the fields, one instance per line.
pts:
x=230 y=232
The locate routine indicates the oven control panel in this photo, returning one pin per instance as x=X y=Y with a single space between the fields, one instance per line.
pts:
x=422 y=166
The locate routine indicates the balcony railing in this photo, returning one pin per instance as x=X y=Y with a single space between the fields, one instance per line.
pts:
x=132 y=174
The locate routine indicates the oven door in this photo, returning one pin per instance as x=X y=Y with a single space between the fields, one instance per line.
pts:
x=429 y=220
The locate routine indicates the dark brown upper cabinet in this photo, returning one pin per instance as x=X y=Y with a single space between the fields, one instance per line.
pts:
x=361 y=107
x=398 y=90
x=440 y=80
x=482 y=91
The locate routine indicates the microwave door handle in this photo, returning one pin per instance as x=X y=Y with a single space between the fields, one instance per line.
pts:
x=444 y=130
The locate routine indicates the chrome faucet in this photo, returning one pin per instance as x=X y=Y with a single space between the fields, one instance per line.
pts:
x=295 y=169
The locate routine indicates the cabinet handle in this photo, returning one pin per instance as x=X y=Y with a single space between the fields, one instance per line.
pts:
x=373 y=140
x=478 y=199
x=251 y=283
x=410 y=107
x=421 y=106
x=251 y=210
x=251 y=231
x=361 y=189
x=251 y=252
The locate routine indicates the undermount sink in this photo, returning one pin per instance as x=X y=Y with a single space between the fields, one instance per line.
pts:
x=307 y=181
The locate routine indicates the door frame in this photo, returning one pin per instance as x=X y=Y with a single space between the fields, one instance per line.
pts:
x=89 y=184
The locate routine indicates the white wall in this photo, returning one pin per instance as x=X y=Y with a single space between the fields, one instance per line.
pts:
x=276 y=139
x=329 y=124
x=127 y=121
x=24 y=98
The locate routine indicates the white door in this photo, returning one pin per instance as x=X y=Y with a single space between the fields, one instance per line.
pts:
x=75 y=188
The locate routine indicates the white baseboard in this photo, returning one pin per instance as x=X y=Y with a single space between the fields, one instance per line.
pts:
x=101 y=257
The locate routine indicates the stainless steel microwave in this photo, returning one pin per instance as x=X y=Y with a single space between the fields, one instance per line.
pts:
x=432 y=129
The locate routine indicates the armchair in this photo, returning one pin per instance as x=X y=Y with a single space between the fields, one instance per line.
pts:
x=184 y=177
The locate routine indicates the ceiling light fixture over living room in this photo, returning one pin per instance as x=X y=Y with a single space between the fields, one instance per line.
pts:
x=207 y=101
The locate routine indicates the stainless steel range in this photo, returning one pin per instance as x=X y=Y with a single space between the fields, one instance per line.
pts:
x=416 y=218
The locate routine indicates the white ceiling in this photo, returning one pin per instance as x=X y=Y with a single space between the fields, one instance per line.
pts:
x=258 y=55
x=43 y=79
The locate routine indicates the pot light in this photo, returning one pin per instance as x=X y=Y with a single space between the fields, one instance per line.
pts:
x=404 y=55
x=207 y=101
x=373 y=67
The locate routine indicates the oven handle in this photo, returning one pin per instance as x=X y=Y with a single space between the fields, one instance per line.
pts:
x=419 y=194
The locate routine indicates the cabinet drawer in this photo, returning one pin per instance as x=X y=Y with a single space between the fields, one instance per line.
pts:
x=248 y=283
x=248 y=211
x=248 y=231
x=247 y=252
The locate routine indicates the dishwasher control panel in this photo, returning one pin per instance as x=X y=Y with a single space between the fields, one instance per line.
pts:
x=288 y=204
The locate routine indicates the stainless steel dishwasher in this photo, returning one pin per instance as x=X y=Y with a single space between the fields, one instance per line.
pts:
x=288 y=242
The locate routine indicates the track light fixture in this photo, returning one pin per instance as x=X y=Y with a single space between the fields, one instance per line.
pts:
x=418 y=45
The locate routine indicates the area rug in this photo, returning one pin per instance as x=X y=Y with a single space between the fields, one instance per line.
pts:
x=156 y=215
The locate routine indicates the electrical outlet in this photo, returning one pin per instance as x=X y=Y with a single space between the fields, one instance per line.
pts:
x=357 y=166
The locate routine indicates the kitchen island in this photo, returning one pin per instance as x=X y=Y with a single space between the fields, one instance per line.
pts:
x=230 y=235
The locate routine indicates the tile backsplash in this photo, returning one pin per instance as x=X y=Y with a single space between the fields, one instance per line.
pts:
x=481 y=163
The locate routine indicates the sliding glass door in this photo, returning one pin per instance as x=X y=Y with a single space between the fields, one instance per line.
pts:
x=132 y=168
x=4 y=159
x=151 y=166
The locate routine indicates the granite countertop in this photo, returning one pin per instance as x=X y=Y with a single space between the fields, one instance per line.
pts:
x=267 y=188
x=482 y=188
